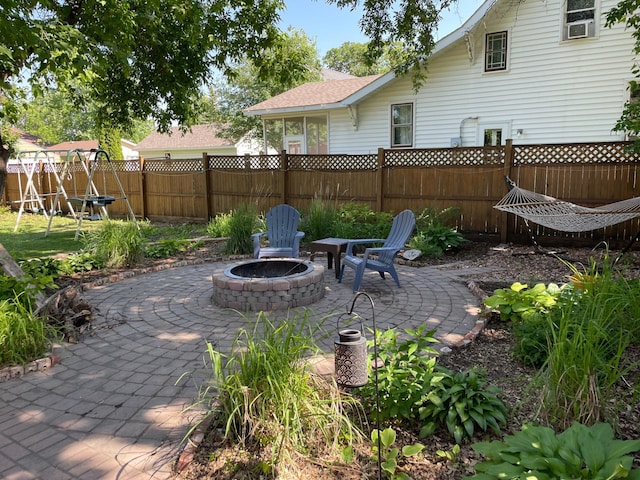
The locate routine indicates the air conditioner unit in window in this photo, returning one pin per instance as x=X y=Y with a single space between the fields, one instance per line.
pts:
x=578 y=29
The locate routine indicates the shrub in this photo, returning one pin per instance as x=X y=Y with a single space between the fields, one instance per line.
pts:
x=430 y=217
x=24 y=290
x=115 y=244
x=220 y=225
x=412 y=386
x=434 y=236
x=23 y=337
x=519 y=301
x=538 y=452
x=167 y=247
x=265 y=392
x=319 y=221
x=462 y=402
x=46 y=266
x=434 y=241
x=407 y=375
x=589 y=332
x=357 y=220
x=243 y=223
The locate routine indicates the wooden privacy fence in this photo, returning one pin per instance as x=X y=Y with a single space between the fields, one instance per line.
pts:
x=471 y=179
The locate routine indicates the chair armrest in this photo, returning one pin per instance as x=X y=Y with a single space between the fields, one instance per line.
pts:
x=256 y=243
x=365 y=241
x=296 y=244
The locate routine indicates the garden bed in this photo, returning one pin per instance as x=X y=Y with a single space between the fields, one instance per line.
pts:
x=216 y=458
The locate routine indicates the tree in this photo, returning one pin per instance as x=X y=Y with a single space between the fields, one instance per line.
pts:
x=140 y=59
x=54 y=117
x=627 y=12
x=291 y=61
x=352 y=58
x=408 y=22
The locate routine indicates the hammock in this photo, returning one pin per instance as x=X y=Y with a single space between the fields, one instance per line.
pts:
x=565 y=216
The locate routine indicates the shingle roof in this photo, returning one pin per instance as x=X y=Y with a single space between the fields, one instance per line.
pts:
x=315 y=93
x=199 y=136
x=75 y=145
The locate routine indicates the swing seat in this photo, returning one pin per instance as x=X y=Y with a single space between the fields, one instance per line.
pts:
x=97 y=201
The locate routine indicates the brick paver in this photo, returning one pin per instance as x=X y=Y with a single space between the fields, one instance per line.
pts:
x=114 y=406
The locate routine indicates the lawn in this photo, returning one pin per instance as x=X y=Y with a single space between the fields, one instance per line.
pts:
x=29 y=240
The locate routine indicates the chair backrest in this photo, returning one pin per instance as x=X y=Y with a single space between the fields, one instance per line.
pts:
x=401 y=230
x=282 y=225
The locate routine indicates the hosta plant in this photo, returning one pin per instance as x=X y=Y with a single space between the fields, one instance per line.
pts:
x=519 y=301
x=390 y=454
x=537 y=452
x=462 y=402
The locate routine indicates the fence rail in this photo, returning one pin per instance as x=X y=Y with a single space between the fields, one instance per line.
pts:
x=470 y=178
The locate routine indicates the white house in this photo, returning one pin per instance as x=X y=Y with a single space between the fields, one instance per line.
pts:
x=536 y=71
x=192 y=144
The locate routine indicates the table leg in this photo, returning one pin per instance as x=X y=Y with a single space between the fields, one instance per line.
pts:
x=330 y=259
x=338 y=263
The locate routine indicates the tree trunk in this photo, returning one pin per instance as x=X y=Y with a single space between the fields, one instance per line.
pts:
x=4 y=160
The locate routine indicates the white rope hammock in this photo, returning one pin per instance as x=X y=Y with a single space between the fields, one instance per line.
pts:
x=565 y=216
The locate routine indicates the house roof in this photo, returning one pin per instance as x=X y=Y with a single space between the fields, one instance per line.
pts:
x=26 y=137
x=200 y=136
x=335 y=94
x=75 y=145
x=313 y=94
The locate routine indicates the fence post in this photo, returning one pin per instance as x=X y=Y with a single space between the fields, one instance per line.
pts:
x=207 y=186
x=284 y=164
x=143 y=195
x=508 y=162
x=379 y=183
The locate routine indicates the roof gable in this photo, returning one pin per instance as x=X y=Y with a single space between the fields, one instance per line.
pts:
x=199 y=136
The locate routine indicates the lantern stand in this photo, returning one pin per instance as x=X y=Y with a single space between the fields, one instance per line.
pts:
x=351 y=361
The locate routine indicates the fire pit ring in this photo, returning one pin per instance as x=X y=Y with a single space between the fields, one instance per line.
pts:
x=268 y=284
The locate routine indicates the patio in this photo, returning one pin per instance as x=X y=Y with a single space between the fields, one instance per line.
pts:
x=113 y=407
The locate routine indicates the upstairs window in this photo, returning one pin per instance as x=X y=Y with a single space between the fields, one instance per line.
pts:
x=496 y=52
x=402 y=125
x=579 y=21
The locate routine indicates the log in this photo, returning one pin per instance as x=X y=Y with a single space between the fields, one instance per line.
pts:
x=12 y=269
x=8 y=264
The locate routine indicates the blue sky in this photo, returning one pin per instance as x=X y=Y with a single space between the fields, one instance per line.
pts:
x=331 y=26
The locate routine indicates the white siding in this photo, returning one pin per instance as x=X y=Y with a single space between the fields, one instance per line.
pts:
x=555 y=91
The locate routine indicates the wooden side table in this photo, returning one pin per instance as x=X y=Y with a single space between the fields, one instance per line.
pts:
x=334 y=248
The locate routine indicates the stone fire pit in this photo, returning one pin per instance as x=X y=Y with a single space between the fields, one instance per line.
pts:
x=268 y=284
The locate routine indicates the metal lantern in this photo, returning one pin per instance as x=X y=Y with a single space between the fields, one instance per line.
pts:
x=351 y=358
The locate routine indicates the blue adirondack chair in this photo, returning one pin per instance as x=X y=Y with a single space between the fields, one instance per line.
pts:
x=382 y=260
x=282 y=232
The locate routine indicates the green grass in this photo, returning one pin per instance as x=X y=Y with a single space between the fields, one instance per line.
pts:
x=29 y=240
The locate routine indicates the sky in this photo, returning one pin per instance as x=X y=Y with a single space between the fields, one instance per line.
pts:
x=331 y=26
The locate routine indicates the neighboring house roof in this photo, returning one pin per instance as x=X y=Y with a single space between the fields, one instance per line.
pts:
x=27 y=139
x=328 y=74
x=335 y=94
x=75 y=145
x=200 y=136
x=314 y=94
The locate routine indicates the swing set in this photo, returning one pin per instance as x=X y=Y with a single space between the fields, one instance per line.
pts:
x=75 y=163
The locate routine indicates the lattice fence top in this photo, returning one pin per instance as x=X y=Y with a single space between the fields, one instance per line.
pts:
x=187 y=165
x=333 y=162
x=233 y=162
x=578 y=153
x=445 y=157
